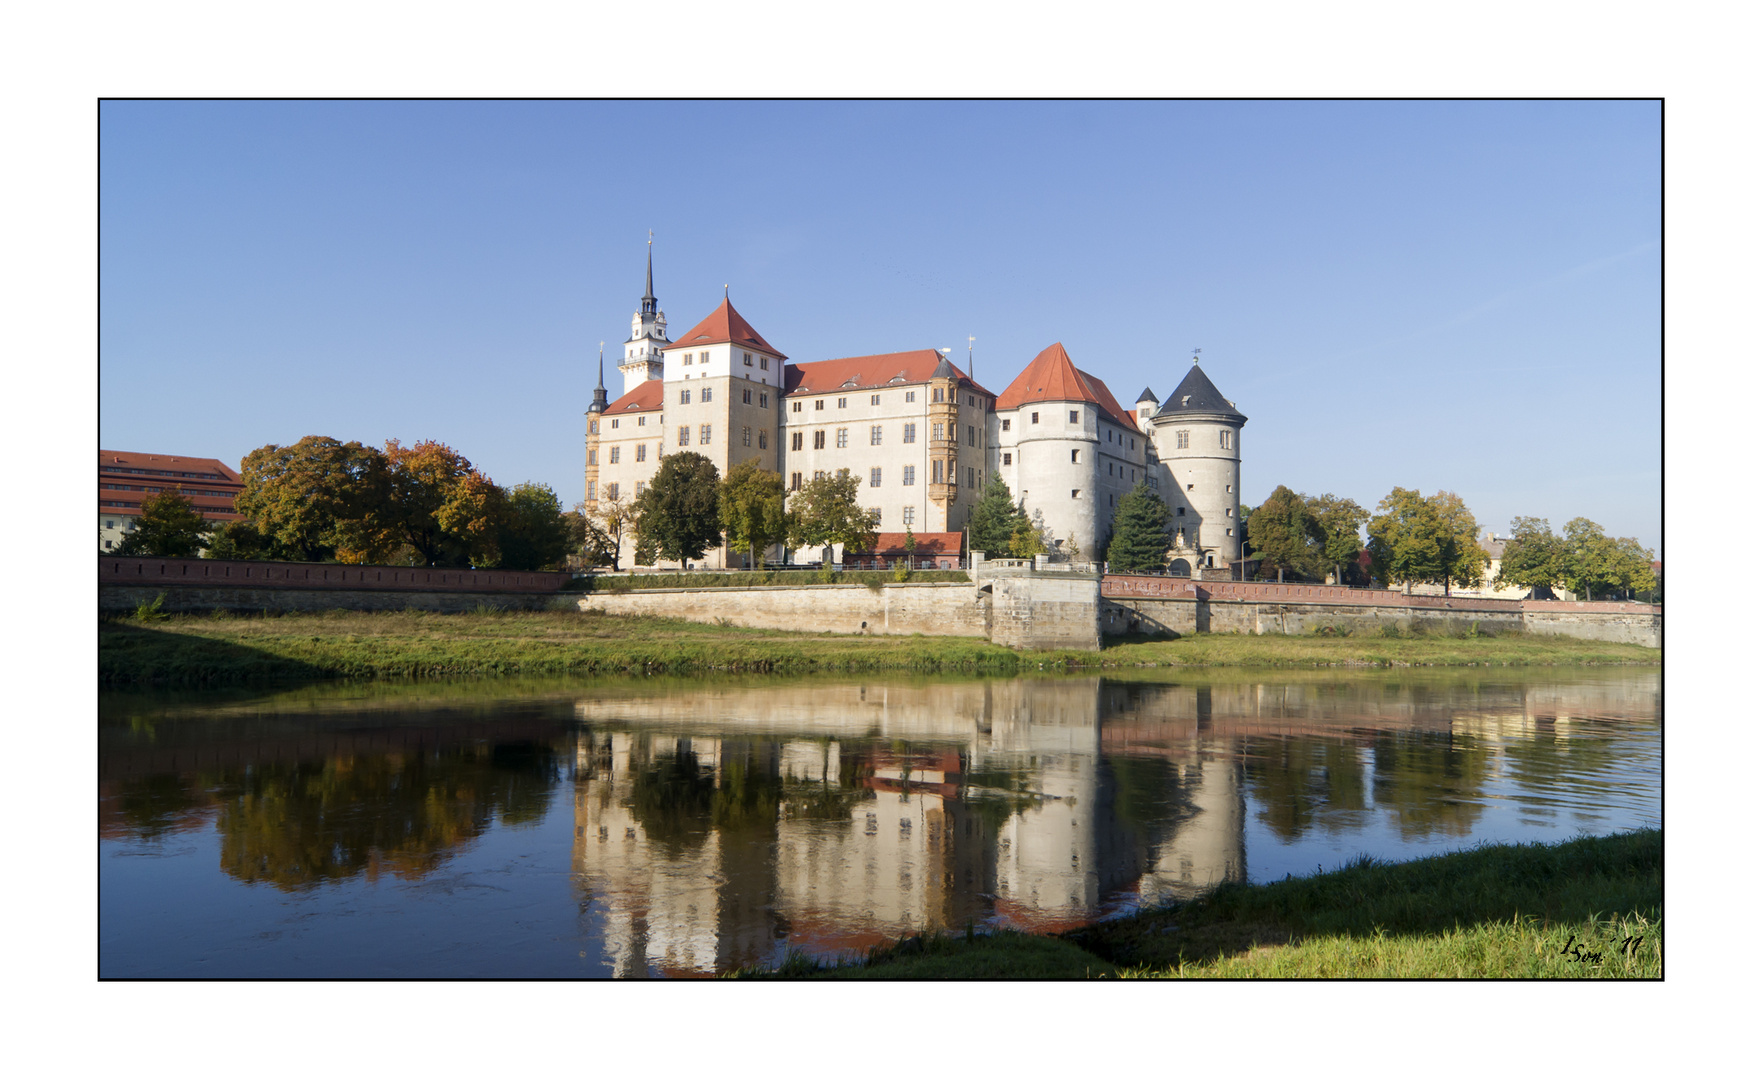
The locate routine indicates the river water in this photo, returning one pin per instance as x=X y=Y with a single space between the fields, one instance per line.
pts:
x=655 y=828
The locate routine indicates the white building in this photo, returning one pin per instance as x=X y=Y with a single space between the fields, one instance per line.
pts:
x=920 y=435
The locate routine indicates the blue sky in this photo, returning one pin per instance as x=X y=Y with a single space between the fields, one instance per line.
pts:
x=1438 y=295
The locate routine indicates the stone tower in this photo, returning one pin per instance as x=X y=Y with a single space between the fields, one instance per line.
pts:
x=1199 y=473
x=642 y=353
x=944 y=432
x=591 y=485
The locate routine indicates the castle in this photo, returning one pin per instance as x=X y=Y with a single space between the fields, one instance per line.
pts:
x=921 y=436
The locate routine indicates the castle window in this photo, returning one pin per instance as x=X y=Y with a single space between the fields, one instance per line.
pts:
x=795 y=440
x=642 y=421
x=612 y=456
x=704 y=394
x=936 y=472
x=593 y=427
x=593 y=459
x=820 y=474
x=909 y=515
x=642 y=451
x=1074 y=416
x=820 y=439
x=1074 y=492
x=936 y=394
x=1074 y=457
x=761 y=438
x=1230 y=511
x=612 y=492
x=970 y=400
x=615 y=421
x=874 y=513
x=970 y=434
x=1034 y=418
x=875 y=399
x=746 y=397
x=1190 y=487
x=591 y=496
x=764 y=398
x=747 y=359
x=843 y=439
x=1227 y=489
x=875 y=436
x=703 y=433
x=970 y=476
x=639 y=489
x=910 y=476
x=765 y=363
x=911 y=395
x=911 y=433
x=1230 y=532
x=688 y=357
x=819 y=404
x=703 y=358
x=1006 y=459
x=685 y=397
x=795 y=406
x=936 y=432
x=795 y=481
x=841 y=403
x=746 y=436
x=875 y=477
x=1181 y=440
x=1224 y=439
x=685 y=434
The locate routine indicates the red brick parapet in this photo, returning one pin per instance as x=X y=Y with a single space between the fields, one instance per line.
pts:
x=1152 y=587
x=119 y=570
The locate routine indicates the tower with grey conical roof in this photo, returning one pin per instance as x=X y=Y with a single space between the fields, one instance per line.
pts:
x=642 y=353
x=1197 y=437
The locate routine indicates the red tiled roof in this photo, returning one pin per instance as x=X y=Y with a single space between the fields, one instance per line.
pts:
x=126 y=479
x=1052 y=376
x=118 y=460
x=869 y=373
x=930 y=543
x=645 y=398
x=724 y=325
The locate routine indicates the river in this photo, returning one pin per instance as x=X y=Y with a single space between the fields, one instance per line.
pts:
x=678 y=828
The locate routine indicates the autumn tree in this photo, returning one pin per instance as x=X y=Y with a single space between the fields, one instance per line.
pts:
x=1141 y=532
x=825 y=512
x=1533 y=558
x=1341 y=519
x=170 y=526
x=1030 y=537
x=1594 y=565
x=752 y=507
x=317 y=500
x=678 y=514
x=1415 y=538
x=443 y=507
x=1286 y=535
x=536 y=532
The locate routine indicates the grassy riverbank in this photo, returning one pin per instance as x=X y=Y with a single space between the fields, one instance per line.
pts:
x=1510 y=911
x=233 y=650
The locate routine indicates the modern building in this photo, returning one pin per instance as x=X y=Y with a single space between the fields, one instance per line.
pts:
x=920 y=435
x=126 y=479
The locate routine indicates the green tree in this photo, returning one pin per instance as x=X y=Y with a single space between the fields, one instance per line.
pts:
x=318 y=500
x=1286 y=534
x=753 y=509
x=993 y=520
x=1415 y=538
x=1533 y=557
x=1141 y=532
x=825 y=512
x=445 y=509
x=1341 y=519
x=679 y=513
x=1595 y=566
x=170 y=526
x=236 y=540
x=536 y=533
x=1029 y=538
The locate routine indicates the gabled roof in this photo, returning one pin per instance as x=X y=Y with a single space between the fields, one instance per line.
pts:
x=724 y=325
x=645 y=398
x=1197 y=395
x=872 y=372
x=1052 y=376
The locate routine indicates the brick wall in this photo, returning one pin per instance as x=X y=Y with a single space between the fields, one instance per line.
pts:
x=931 y=608
x=160 y=573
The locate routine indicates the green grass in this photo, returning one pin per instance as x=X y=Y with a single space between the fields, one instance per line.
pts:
x=231 y=650
x=1506 y=911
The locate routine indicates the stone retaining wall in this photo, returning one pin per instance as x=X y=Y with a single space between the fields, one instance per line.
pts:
x=943 y=609
x=200 y=600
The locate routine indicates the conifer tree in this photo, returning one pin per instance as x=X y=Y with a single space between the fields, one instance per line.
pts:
x=1141 y=532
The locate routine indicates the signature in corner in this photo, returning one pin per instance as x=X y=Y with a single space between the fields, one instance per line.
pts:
x=1577 y=953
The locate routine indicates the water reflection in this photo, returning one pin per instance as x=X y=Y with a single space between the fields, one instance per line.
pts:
x=712 y=825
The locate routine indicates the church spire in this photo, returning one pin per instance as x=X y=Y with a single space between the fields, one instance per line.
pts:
x=599 y=405
x=649 y=279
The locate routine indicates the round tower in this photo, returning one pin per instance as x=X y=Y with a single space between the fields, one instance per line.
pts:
x=1197 y=435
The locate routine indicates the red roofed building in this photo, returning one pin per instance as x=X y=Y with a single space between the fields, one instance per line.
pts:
x=930 y=551
x=125 y=479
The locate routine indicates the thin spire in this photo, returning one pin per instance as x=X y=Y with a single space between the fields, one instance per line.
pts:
x=649 y=279
x=599 y=405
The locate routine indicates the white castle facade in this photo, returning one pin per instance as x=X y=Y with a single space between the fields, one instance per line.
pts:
x=921 y=436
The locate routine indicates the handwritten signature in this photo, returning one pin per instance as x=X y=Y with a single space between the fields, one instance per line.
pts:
x=1577 y=952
